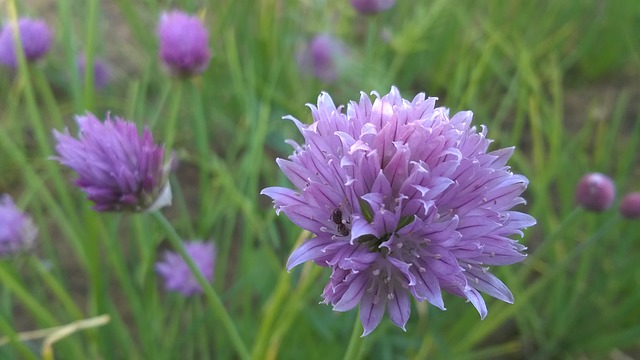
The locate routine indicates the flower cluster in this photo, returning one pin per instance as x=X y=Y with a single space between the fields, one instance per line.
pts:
x=35 y=38
x=403 y=200
x=17 y=231
x=117 y=168
x=176 y=273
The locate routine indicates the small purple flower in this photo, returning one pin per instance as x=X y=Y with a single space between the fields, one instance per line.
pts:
x=101 y=73
x=368 y=7
x=595 y=192
x=176 y=273
x=35 y=38
x=184 y=43
x=17 y=231
x=117 y=168
x=630 y=206
x=322 y=57
x=403 y=200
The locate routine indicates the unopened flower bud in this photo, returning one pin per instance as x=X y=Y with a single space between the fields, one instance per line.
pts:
x=595 y=192
x=630 y=205
x=368 y=7
x=35 y=38
x=184 y=43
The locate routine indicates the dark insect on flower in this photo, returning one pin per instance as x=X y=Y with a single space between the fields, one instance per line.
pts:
x=336 y=217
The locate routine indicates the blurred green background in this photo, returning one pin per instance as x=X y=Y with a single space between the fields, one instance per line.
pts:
x=558 y=79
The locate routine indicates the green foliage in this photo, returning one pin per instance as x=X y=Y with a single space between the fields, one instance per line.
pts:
x=558 y=79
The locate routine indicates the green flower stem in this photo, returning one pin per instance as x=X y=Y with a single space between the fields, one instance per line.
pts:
x=355 y=342
x=27 y=299
x=297 y=301
x=201 y=135
x=210 y=293
x=56 y=288
x=88 y=88
x=50 y=102
x=172 y=118
x=272 y=307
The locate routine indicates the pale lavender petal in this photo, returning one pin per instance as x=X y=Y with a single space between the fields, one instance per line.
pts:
x=309 y=250
x=371 y=311
x=399 y=307
x=486 y=282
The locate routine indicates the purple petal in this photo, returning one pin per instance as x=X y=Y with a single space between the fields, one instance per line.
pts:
x=371 y=311
x=309 y=250
x=399 y=307
x=353 y=295
x=489 y=284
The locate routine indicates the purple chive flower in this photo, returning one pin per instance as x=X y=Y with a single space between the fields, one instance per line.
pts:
x=322 y=57
x=368 y=7
x=404 y=201
x=630 y=205
x=17 y=231
x=101 y=73
x=35 y=38
x=595 y=192
x=184 y=43
x=176 y=273
x=117 y=168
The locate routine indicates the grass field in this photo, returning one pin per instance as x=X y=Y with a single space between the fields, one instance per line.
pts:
x=560 y=80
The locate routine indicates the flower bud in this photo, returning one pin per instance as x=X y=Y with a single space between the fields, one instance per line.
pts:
x=321 y=57
x=630 y=205
x=368 y=7
x=35 y=38
x=184 y=43
x=101 y=73
x=595 y=192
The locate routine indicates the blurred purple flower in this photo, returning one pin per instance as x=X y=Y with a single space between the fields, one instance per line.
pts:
x=35 y=37
x=117 y=168
x=101 y=73
x=595 y=192
x=403 y=200
x=17 y=231
x=176 y=273
x=322 y=57
x=630 y=205
x=368 y=7
x=184 y=43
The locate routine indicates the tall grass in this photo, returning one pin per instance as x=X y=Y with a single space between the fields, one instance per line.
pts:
x=521 y=67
